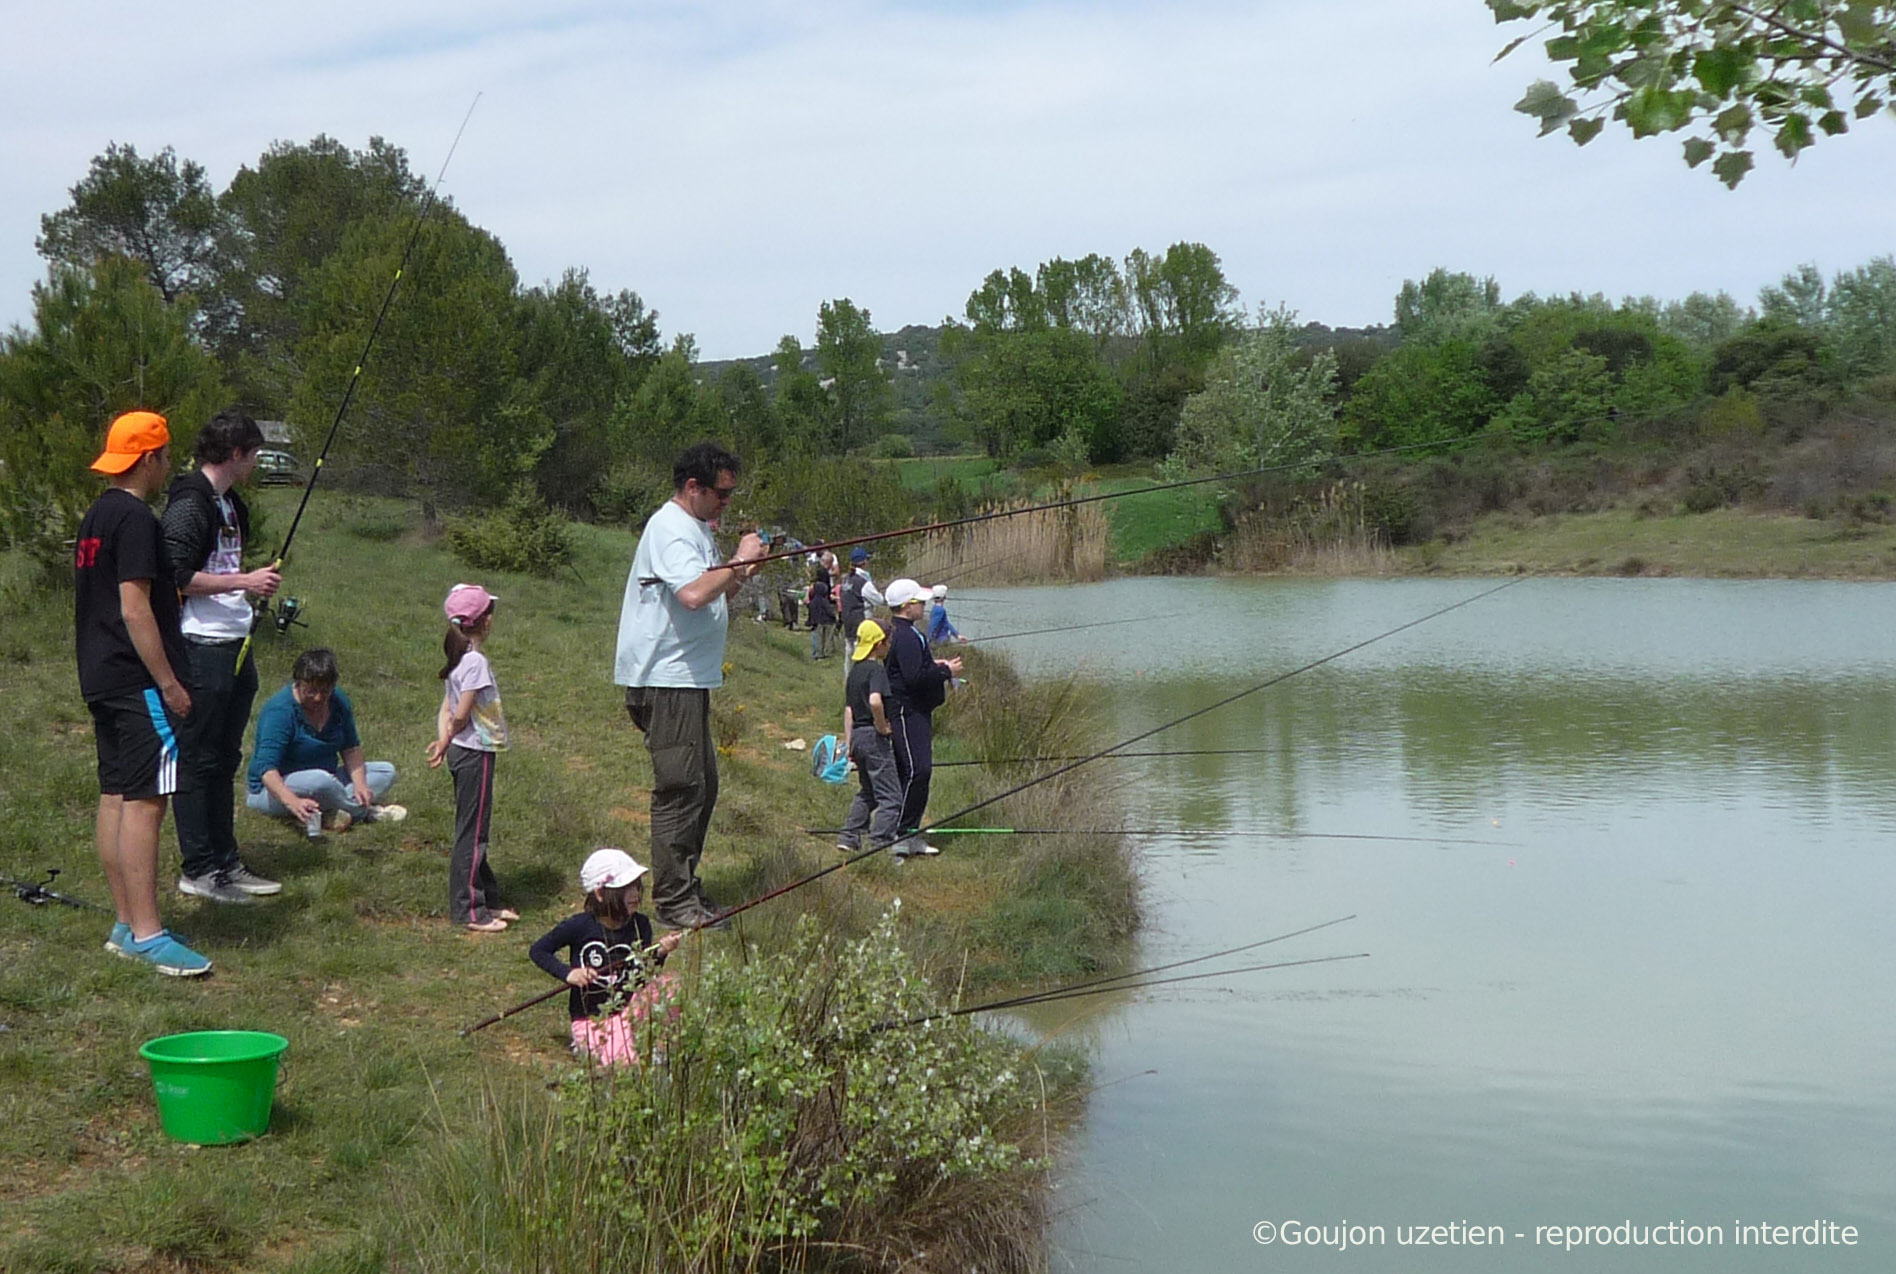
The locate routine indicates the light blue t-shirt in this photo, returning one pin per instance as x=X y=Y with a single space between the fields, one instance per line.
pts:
x=661 y=641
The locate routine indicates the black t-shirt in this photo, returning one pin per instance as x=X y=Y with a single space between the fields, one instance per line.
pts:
x=616 y=953
x=119 y=540
x=864 y=678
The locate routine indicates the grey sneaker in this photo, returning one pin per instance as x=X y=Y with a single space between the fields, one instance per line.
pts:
x=250 y=882
x=216 y=886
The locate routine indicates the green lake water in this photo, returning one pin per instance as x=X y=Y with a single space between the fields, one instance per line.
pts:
x=1656 y=991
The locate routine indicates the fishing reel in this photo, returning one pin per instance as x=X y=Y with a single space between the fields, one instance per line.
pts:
x=287 y=611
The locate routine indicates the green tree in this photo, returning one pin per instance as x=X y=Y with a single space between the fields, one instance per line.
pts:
x=1418 y=394
x=798 y=398
x=103 y=341
x=1862 y=314
x=1703 y=321
x=157 y=211
x=1715 y=68
x=1088 y=295
x=1447 y=304
x=849 y=357
x=1264 y=403
x=1801 y=298
x=438 y=413
x=1184 y=307
x=281 y=222
x=573 y=362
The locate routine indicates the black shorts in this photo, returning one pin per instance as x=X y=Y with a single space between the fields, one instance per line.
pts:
x=138 y=748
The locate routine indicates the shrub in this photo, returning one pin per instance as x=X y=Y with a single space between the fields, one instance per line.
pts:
x=525 y=537
x=893 y=447
x=797 y=1118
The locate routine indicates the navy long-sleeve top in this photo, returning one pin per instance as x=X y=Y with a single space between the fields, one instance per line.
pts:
x=916 y=682
x=619 y=955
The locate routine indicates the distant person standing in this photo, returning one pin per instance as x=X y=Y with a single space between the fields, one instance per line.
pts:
x=859 y=592
x=206 y=526
x=131 y=653
x=918 y=683
x=822 y=606
x=670 y=658
x=867 y=729
x=940 y=629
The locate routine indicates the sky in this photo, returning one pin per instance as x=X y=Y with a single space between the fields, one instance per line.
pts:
x=739 y=163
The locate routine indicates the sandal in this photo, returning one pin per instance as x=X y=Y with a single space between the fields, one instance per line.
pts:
x=496 y=925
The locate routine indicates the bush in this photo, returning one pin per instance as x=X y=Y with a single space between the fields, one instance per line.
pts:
x=893 y=447
x=798 y=1117
x=525 y=537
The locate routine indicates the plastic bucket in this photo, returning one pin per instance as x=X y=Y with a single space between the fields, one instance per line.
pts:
x=214 y=1087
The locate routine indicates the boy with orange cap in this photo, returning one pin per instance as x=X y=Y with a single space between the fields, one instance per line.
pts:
x=130 y=652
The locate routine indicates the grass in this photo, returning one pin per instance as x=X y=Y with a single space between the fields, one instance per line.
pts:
x=1723 y=543
x=355 y=962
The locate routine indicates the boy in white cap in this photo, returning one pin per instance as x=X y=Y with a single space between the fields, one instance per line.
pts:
x=918 y=682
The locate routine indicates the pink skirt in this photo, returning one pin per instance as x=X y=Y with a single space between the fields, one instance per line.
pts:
x=610 y=1040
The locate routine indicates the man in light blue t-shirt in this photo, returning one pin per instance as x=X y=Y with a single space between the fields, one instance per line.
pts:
x=671 y=657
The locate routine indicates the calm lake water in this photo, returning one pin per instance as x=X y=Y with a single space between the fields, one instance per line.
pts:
x=1656 y=989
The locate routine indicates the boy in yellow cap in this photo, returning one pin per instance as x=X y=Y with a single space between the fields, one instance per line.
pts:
x=878 y=803
x=131 y=652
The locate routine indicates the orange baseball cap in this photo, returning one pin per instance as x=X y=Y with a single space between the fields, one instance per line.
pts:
x=131 y=436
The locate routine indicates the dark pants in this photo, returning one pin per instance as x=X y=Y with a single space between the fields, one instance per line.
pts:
x=210 y=749
x=676 y=723
x=914 y=740
x=878 y=804
x=471 y=883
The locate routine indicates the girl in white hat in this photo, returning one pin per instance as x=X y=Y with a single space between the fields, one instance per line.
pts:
x=612 y=962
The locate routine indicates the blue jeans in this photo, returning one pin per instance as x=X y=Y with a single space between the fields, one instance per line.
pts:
x=329 y=791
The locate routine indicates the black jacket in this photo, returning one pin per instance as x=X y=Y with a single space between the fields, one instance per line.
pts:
x=191 y=522
x=916 y=682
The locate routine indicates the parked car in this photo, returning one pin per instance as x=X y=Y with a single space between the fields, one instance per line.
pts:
x=277 y=469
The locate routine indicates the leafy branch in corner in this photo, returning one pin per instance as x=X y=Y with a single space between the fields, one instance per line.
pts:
x=1715 y=69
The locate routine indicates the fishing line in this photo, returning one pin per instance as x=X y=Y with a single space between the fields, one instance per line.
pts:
x=1232 y=833
x=610 y=967
x=1268 y=682
x=1064 y=628
x=355 y=375
x=996 y=514
x=1047 y=760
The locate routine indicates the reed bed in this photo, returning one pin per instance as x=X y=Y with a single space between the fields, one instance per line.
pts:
x=1328 y=533
x=1043 y=546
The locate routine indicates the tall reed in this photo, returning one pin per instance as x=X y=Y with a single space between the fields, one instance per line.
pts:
x=1326 y=533
x=1026 y=548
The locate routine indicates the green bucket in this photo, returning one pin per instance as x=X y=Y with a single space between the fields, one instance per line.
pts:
x=214 y=1087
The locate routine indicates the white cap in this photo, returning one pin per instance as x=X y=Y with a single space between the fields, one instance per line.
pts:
x=608 y=868
x=902 y=592
x=940 y=591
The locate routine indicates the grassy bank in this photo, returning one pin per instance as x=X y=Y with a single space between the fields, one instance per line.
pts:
x=355 y=962
x=1723 y=543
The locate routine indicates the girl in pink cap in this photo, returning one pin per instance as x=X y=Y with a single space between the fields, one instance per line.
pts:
x=614 y=962
x=470 y=731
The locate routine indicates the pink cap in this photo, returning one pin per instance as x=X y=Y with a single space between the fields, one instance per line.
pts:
x=467 y=603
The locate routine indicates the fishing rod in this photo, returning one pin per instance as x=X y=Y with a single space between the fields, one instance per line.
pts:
x=1161 y=968
x=978 y=566
x=1233 y=833
x=355 y=375
x=991 y=515
x=39 y=893
x=1043 y=760
x=609 y=968
x=1064 y=628
x=1050 y=775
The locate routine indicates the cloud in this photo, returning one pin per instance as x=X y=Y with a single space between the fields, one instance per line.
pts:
x=738 y=164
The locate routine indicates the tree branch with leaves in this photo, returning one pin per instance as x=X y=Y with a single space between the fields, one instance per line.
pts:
x=1716 y=69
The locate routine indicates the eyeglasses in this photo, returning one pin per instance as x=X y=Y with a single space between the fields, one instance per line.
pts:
x=723 y=493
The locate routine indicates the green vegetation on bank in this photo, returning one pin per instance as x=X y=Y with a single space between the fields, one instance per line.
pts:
x=382 y=1108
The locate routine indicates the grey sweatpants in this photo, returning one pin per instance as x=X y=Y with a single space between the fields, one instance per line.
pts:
x=878 y=804
x=470 y=880
x=677 y=727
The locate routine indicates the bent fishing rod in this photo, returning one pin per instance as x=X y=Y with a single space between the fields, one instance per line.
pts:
x=1118 y=756
x=1064 y=628
x=355 y=375
x=1050 y=775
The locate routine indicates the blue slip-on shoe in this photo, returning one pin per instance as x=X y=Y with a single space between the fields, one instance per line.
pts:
x=163 y=952
x=120 y=939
